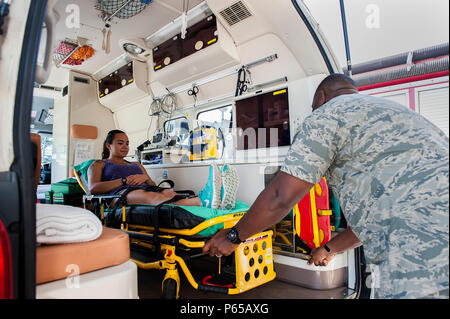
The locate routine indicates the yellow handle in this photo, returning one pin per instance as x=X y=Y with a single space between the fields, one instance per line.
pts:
x=325 y=212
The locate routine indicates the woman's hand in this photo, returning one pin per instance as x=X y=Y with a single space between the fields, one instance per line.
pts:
x=137 y=179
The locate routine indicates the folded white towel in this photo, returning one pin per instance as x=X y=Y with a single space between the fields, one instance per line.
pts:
x=61 y=224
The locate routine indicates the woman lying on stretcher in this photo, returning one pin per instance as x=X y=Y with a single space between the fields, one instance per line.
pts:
x=114 y=175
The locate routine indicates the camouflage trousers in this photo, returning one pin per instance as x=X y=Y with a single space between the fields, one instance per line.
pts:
x=384 y=286
x=443 y=294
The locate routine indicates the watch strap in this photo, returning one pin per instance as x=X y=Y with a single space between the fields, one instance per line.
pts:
x=327 y=248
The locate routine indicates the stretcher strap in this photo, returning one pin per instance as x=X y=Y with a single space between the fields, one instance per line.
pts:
x=155 y=218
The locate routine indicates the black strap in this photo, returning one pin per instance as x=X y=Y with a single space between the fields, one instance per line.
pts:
x=168 y=181
x=155 y=219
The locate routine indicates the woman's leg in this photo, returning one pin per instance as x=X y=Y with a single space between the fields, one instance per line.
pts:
x=153 y=198
x=194 y=201
x=142 y=197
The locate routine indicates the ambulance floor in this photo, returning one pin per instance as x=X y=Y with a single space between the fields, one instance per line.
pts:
x=150 y=281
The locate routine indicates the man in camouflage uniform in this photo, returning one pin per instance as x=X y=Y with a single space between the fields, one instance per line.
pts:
x=389 y=169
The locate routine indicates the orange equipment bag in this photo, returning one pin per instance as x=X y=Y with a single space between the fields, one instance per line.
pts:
x=312 y=217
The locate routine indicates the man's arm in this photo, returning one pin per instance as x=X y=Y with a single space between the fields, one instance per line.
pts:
x=270 y=207
x=273 y=204
x=342 y=242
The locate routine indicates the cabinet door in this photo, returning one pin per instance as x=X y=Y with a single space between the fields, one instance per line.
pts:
x=200 y=36
x=167 y=53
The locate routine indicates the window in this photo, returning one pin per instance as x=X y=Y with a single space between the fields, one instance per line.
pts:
x=178 y=128
x=46 y=147
x=219 y=118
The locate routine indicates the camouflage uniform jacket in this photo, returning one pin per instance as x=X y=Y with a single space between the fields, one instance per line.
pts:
x=389 y=168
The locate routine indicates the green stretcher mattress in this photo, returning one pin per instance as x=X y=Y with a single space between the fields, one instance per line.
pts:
x=171 y=216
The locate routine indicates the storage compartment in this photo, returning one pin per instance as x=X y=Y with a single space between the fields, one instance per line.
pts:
x=116 y=282
x=296 y=271
x=198 y=37
x=116 y=80
x=124 y=86
x=207 y=48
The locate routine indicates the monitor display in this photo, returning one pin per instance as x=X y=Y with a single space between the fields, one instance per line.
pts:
x=262 y=121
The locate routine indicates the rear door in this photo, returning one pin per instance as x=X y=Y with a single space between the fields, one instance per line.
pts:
x=19 y=45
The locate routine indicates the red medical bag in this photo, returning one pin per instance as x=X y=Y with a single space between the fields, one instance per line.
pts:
x=312 y=216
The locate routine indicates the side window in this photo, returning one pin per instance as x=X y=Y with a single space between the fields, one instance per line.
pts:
x=219 y=118
x=46 y=162
x=222 y=120
x=46 y=147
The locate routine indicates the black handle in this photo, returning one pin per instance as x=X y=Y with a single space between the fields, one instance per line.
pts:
x=207 y=288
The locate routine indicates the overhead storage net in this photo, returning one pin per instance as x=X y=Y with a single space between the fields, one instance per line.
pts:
x=122 y=9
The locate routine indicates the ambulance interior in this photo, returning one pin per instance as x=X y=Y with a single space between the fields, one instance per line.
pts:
x=242 y=74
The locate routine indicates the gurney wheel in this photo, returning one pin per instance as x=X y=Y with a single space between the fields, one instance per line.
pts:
x=169 y=290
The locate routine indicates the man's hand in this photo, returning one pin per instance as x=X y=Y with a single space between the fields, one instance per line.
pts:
x=320 y=257
x=219 y=245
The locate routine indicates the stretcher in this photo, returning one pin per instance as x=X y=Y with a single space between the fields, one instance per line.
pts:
x=167 y=237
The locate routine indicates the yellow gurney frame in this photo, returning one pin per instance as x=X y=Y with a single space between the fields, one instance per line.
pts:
x=253 y=258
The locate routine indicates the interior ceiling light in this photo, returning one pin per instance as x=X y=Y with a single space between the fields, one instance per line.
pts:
x=135 y=48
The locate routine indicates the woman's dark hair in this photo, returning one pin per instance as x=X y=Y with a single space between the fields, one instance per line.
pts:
x=109 y=139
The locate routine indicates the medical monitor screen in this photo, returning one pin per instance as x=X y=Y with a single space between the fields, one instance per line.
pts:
x=262 y=121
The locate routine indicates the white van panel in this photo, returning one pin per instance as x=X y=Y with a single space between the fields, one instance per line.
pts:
x=10 y=50
x=399 y=97
x=433 y=105
x=60 y=140
x=85 y=109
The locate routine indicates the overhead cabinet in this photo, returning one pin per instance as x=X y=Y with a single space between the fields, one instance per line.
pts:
x=124 y=86
x=198 y=37
x=116 y=80
x=206 y=49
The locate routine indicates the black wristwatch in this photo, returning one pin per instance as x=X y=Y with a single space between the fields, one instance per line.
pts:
x=233 y=236
x=327 y=248
x=124 y=181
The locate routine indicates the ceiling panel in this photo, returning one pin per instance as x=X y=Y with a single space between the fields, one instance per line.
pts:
x=158 y=14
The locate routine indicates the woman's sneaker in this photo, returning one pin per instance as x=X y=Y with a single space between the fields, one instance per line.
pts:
x=210 y=195
x=230 y=185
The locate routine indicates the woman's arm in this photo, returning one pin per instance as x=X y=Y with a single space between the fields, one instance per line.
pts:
x=96 y=186
x=149 y=181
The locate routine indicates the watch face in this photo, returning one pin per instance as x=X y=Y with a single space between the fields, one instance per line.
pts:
x=232 y=236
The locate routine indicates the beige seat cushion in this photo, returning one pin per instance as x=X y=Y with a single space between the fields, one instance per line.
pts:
x=54 y=262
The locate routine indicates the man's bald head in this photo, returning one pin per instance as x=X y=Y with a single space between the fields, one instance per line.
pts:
x=332 y=86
